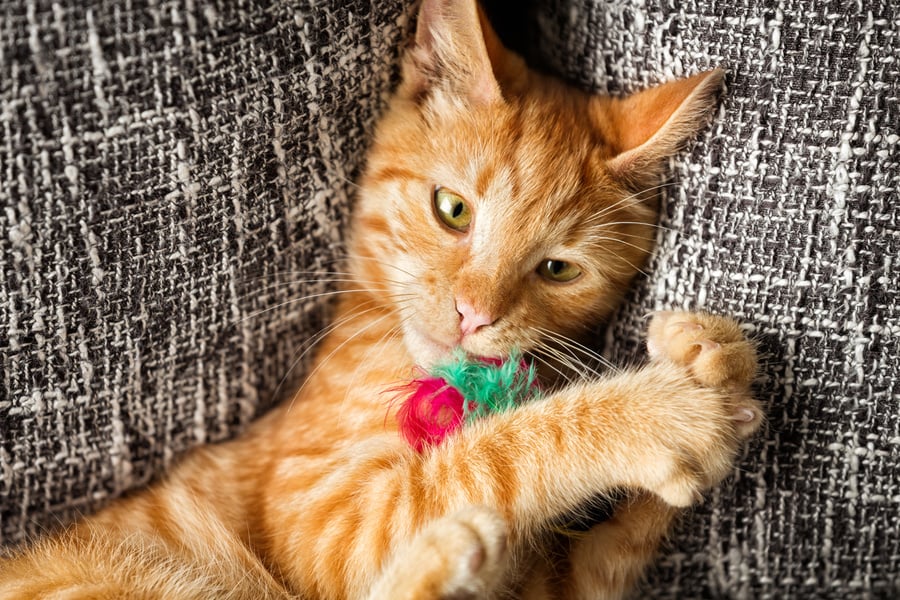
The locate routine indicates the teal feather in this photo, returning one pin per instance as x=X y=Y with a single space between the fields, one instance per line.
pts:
x=488 y=387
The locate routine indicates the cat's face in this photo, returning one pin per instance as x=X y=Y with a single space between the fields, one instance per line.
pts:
x=499 y=222
x=499 y=208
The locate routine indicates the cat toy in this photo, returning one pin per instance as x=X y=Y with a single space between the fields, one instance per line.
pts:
x=461 y=390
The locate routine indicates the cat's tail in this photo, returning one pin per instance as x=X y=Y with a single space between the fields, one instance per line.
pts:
x=98 y=563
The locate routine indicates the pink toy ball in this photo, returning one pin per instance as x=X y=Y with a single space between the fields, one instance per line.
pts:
x=460 y=390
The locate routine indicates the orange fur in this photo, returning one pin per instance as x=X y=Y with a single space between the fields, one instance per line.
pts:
x=322 y=498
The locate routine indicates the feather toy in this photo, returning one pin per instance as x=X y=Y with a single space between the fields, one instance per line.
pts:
x=460 y=390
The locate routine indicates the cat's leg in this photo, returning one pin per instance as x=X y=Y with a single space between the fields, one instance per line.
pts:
x=88 y=562
x=606 y=563
x=671 y=428
x=459 y=557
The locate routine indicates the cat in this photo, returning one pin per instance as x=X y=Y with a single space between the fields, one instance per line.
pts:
x=499 y=209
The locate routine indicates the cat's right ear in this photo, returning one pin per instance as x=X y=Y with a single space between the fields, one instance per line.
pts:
x=646 y=128
x=452 y=54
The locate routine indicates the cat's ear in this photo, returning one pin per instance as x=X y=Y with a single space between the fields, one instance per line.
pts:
x=648 y=127
x=452 y=53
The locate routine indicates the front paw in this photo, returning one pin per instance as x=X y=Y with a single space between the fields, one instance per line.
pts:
x=712 y=352
x=716 y=353
x=460 y=557
x=473 y=545
x=470 y=547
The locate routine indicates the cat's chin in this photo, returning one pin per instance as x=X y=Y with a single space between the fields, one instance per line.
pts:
x=424 y=349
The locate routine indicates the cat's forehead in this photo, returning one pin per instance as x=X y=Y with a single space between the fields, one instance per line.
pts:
x=522 y=174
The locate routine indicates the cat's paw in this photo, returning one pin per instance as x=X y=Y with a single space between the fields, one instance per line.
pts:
x=701 y=428
x=715 y=352
x=460 y=557
x=475 y=542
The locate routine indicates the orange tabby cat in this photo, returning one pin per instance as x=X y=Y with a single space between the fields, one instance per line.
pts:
x=499 y=209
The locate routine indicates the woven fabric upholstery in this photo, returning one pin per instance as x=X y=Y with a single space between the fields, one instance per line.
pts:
x=786 y=214
x=167 y=172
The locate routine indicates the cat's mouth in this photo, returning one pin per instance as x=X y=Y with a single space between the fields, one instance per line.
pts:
x=426 y=350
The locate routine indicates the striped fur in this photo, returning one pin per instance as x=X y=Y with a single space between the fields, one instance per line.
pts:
x=322 y=498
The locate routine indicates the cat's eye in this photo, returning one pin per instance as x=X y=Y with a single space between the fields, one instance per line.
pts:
x=558 y=270
x=451 y=209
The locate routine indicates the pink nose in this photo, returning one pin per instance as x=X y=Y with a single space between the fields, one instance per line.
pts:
x=470 y=319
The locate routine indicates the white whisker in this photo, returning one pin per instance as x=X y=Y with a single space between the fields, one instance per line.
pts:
x=654 y=225
x=375 y=260
x=307 y=345
x=631 y=235
x=393 y=296
x=385 y=339
x=566 y=359
x=599 y=238
x=635 y=198
x=281 y=284
x=543 y=361
x=323 y=361
x=292 y=273
x=576 y=346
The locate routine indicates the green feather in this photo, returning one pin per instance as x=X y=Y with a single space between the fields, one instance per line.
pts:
x=489 y=388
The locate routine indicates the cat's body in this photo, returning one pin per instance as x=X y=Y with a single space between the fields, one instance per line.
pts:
x=499 y=209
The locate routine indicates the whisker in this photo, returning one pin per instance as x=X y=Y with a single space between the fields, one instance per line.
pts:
x=318 y=295
x=375 y=260
x=635 y=198
x=611 y=239
x=389 y=336
x=339 y=346
x=572 y=350
x=570 y=361
x=281 y=284
x=566 y=360
x=636 y=268
x=307 y=345
x=338 y=277
x=544 y=361
x=575 y=345
x=602 y=186
x=326 y=330
x=654 y=225
x=349 y=181
x=631 y=235
x=293 y=273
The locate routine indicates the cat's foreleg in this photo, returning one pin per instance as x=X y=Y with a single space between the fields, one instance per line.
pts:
x=719 y=362
x=671 y=428
x=607 y=561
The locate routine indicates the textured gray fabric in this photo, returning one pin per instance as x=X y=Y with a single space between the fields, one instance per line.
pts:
x=786 y=214
x=167 y=169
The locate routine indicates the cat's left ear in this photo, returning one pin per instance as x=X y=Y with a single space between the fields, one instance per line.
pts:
x=648 y=127
x=452 y=53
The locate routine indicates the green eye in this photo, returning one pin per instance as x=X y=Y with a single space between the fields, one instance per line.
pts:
x=452 y=209
x=558 y=270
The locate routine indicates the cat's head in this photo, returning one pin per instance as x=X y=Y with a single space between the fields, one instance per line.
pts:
x=501 y=208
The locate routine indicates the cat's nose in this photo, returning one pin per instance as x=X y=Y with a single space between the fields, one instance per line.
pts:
x=470 y=318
